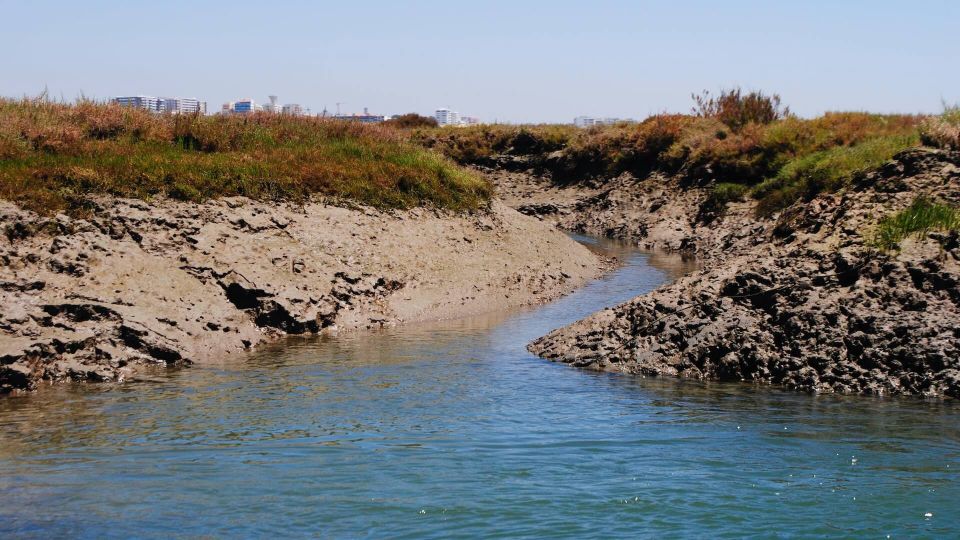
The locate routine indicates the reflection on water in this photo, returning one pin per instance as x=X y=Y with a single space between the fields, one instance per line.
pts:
x=453 y=429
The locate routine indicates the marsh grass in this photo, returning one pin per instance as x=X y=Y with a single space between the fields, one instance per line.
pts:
x=827 y=170
x=476 y=144
x=921 y=217
x=55 y=156
x=942 y=131
x=780 y=158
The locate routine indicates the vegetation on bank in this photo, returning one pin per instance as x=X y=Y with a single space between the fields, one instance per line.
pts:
x=411 y=120
x=55 y=156
x=942 y=131
x=735 y=138
x=921 y=217
x=476 y=144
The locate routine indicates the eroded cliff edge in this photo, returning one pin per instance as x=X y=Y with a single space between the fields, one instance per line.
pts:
x=803 y=300
x=172 y=283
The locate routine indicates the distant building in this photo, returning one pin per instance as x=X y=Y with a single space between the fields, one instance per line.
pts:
x=245 y=106
x=147 y=103
x=162 y=105
x=446 y=117
x=365 y=118
x=183 y=106
x=273 y=106
x=292 y=109
x=589 y=121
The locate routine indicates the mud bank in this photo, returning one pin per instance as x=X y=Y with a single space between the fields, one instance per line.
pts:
x=801 y=299
x=174 y=283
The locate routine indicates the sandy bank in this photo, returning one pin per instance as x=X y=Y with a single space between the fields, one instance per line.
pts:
x=174 y=283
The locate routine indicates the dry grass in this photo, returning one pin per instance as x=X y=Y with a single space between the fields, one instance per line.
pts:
x=55 y=156
x=942 y=131
x=476 y=144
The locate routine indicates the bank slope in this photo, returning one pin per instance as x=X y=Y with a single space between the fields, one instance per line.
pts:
x=173 y=283
x=809 y=300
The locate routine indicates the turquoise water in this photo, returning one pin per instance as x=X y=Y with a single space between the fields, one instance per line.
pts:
x=454 y=430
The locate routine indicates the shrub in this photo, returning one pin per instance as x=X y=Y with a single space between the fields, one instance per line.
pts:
x=410 y=121
x=708 y=152
x=636 y=148
x=942 y=131
x=476 y=144
x=736 y=109
x=921 y=217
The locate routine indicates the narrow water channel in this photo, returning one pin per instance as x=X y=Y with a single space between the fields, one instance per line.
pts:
x=454 y=429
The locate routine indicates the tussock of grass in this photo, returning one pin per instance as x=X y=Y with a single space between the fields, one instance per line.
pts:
x=921 y=217
x=827 y=170
x=942 y=131
x=726 y=192
x=719 y=196
x=55 y=156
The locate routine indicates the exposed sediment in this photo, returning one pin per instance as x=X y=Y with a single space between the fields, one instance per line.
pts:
x=170 y=283
x=802 y=300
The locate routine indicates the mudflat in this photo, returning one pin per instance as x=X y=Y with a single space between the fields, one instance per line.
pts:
x=172 y=283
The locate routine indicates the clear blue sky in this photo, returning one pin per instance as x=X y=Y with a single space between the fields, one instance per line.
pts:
x=521 y=61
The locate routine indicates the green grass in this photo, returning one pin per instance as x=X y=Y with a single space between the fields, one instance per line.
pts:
x=827 y=170
x=55 y=157
x=719 y=196
x=726 y=192
x=921 y=217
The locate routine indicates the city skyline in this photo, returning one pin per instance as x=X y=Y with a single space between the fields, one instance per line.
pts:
x=517 y=62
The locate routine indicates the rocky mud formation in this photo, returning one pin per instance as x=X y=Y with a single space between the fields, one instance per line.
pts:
x=171 y=283
x=802 y=300
x=658 y=212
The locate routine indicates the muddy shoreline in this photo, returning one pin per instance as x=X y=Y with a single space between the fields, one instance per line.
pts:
x=170 y=284
x=800 y=299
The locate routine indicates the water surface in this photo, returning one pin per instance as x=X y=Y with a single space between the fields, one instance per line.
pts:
x=453 y=429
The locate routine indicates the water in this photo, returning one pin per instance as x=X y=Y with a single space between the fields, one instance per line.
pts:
x=453 y=429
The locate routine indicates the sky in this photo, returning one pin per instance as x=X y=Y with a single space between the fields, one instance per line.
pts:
x=507 y=61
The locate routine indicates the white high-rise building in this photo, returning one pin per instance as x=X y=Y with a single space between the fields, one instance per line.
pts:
x=589 y=121
x=446 y=117
x=162 y=104
x=149 y=103
x=292 y=109
x=584 y=121
x=183 y=105
x=273 y=106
